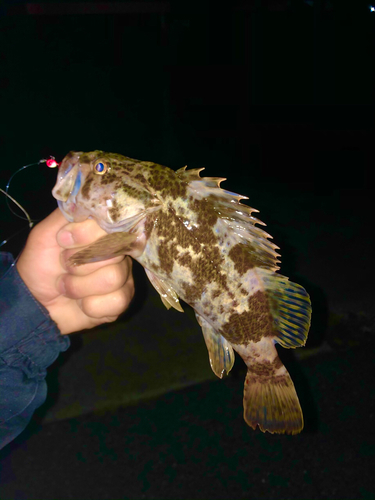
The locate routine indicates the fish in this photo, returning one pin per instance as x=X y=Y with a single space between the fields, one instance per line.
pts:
x=198 y=243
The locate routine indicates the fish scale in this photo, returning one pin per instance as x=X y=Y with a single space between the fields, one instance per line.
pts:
x=198 y=242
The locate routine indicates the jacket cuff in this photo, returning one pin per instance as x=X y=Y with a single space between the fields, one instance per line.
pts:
x=29 y=338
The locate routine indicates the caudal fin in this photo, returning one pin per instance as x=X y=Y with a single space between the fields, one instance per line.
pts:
x=271 y=402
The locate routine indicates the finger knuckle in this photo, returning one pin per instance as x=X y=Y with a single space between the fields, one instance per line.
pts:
x=90 y=307
x=119 y=302
x=71 y=287
x=111 y=277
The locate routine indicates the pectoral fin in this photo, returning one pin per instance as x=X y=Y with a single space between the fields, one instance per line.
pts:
x=168 y=296
x=105 y=248
x=220 y=352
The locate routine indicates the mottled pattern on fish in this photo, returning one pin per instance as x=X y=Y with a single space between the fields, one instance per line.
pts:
x=199 y=243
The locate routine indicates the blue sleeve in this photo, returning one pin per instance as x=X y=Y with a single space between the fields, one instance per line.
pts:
x=29 y=342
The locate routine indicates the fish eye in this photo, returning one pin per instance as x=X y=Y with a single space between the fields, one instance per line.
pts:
x=100 y=167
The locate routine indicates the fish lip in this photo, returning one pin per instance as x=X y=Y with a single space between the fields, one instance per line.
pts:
x=67 y=188
x=72 y=212
x=69 y=171
x=66 y=214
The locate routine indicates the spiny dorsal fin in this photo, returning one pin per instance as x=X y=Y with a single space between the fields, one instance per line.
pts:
x=234 y=216
x=189 y=175
x=193 y=175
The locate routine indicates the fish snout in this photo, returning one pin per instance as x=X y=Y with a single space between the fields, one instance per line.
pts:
x=68 y=178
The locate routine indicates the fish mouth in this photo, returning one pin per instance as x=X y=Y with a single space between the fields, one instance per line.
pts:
x=68 y=179
x=67 y=187
x=67 y=209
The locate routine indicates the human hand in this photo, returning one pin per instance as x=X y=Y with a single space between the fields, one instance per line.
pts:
x=77 y=297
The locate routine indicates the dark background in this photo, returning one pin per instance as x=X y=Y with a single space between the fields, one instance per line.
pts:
x=277 y=96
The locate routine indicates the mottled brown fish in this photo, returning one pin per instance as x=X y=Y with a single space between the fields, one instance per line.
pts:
x=199 y=243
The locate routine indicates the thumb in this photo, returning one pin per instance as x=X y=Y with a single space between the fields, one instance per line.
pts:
x=44 y=233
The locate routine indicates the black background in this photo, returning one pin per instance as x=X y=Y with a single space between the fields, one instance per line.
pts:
x=277 y=96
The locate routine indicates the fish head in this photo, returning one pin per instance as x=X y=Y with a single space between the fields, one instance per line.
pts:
x=106 y=187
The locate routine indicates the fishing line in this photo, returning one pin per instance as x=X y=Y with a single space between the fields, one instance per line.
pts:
x=51 y=163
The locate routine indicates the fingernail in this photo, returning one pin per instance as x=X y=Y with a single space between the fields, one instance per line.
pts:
x=65 y=238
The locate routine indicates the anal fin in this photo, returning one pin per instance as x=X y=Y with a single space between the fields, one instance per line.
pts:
x=220 y=352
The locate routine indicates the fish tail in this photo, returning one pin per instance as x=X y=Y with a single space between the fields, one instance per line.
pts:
x=270 y=400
